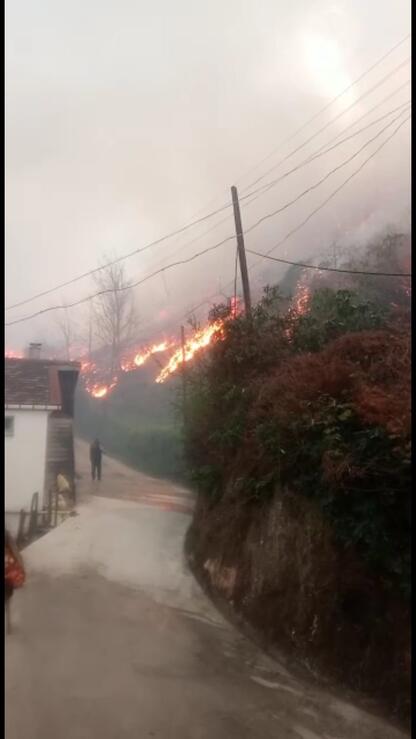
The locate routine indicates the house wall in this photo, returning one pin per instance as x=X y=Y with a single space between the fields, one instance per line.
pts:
x=25 y=458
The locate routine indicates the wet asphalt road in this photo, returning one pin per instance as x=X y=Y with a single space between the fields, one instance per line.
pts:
x=114 y=639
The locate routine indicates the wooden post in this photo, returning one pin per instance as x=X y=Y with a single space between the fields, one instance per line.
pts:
x=33 y=516
x=21 y=530
x=241 y=251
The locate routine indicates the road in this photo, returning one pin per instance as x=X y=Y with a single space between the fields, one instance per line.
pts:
x=114 y=639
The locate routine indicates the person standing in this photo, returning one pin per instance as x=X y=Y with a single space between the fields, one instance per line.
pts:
x=96 y=453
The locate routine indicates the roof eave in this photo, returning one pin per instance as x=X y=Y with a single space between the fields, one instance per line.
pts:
x=31 y=407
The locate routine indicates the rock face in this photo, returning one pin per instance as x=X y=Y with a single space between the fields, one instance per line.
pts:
x=280 y=570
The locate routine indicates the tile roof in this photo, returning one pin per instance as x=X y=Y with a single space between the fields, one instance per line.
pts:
x=34 y=381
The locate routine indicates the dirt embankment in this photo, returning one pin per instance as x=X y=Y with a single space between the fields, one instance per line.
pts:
x=278 y=570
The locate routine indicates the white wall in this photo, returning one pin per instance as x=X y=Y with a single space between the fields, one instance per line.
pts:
x=25 y=457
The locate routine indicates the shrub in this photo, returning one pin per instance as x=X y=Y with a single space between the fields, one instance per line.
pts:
x=316 y=424
x=319 y=404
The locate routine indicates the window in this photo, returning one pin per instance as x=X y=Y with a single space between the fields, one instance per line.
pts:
x=9 y=425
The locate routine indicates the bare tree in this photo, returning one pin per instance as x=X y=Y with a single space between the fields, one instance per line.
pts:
x=114 y=311
x=86 y=332
x=67 y=330
x=89 y=332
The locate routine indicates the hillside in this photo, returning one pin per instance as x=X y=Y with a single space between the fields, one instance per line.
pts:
x=137 y=423
x=299 y=442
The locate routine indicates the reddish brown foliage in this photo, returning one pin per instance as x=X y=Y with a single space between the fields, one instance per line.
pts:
x=370 y=370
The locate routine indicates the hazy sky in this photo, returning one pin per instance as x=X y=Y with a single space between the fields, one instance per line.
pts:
x=126 y=119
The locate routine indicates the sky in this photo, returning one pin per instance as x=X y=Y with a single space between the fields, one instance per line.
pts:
x=126 y=120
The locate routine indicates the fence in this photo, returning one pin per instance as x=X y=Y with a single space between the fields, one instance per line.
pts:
x=35 y=523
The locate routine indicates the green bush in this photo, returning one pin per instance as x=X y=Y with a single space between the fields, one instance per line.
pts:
x=278 y=401
x=333 y=313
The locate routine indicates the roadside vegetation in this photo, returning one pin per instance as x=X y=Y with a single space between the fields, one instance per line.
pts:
x=297 y=438
x=137 y=424
x=303 y=420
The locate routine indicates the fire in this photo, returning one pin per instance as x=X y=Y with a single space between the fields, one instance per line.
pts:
x=301 y=300
x=235 y=307
x=198 y=341
x=96 y=379
x=97 y=388
x=142 y=356
x=100 y=391
x=300 y=306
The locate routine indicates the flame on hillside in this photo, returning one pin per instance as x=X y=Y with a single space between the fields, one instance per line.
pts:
x=201 y=338
x=100 y=391
x=301 y=300
x=99 y=381
x=140 y=358
x=198 y=341
x=94 y=381
x=98 y=388
x=300 y=306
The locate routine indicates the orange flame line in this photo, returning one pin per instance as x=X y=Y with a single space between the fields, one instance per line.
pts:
x=200 y=340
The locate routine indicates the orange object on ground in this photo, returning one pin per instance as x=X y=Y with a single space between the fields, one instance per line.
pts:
x=14 y=571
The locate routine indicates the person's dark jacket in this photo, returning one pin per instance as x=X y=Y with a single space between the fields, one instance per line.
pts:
x=95 y=453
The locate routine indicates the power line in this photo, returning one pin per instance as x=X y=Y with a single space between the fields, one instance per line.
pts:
x=224 y=207
x=329 y=123
x=330 y=269
x=321 y=152
x=255 y=194
x=327 y=105
x=318 y=151
x=245 y=197
x=328 y=199
x=120 y=289
x=323 y=179
x=316 y=115
x=368 y=112
x=122 y=258
x=336 y=191
x=214 y=246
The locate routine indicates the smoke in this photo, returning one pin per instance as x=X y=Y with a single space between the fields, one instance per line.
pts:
x=124 y=121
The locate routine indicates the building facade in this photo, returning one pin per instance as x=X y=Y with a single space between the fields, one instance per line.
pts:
x=39 y=407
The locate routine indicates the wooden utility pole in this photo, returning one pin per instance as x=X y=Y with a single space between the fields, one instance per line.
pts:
x=183 y=373
x=241 y=251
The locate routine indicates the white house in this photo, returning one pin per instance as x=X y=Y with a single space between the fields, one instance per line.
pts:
x=39 y=402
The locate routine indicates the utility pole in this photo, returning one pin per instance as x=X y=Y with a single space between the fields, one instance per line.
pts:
x=184 y=402
x=241 y=251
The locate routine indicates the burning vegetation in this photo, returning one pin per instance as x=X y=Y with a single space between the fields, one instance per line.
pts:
x=96 y=378
x=198 y=341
